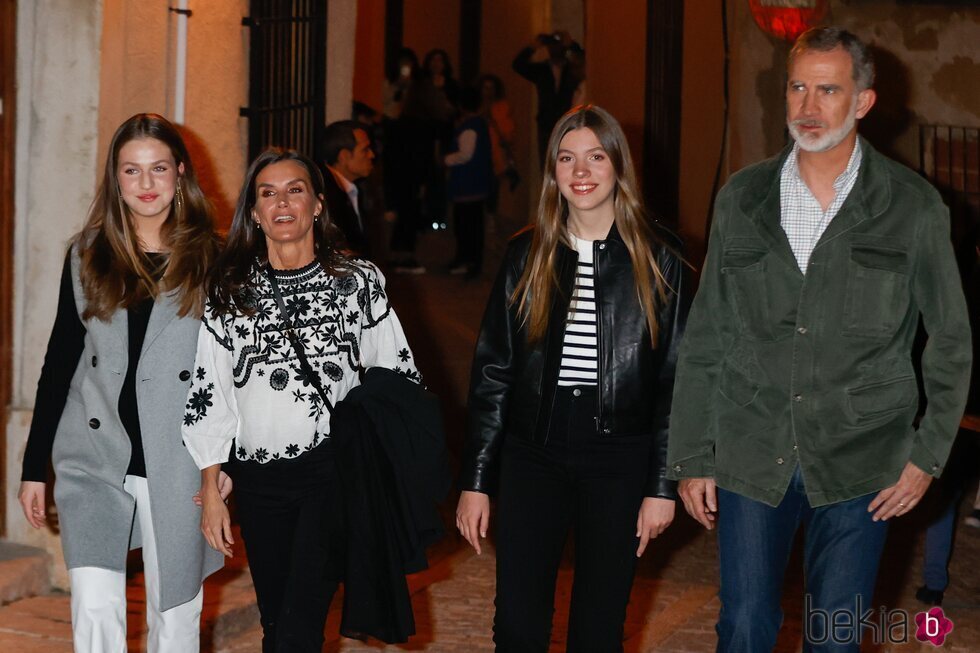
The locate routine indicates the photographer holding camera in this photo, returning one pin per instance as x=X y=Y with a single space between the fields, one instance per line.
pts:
x=557 y=79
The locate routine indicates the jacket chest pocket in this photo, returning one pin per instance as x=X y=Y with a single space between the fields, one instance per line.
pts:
x=877 y=294
x=744 y=271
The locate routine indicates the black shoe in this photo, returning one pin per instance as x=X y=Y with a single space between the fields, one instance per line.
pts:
x=928 y=596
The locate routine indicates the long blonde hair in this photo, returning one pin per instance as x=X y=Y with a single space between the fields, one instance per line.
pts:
x=114 y=272
x=538 y=282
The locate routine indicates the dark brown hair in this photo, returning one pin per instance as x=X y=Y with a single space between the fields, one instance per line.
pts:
x=540 y=278
x=114 y=272
x=230 y=288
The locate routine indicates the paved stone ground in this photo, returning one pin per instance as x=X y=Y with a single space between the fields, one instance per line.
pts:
x=674 y=603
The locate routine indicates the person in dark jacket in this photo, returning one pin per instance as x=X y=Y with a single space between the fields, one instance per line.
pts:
x=349 y=158
x=470 y=182
x=570 y=394
x=556 y=79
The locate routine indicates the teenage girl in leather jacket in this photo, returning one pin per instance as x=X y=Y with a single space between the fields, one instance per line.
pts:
x=570 y=394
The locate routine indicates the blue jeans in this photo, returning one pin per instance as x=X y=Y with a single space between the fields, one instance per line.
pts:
x=842 y=548
x=939 y=543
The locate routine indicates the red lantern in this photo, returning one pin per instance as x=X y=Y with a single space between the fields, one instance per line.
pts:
x=787 y=19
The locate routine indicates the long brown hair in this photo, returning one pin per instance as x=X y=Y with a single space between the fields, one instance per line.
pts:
x=246 y=247
x=539 y=280
x=114 y=272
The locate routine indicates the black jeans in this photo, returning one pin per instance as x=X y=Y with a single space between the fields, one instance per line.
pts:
x=290 y=513
x=577 y=480
x=468 y=217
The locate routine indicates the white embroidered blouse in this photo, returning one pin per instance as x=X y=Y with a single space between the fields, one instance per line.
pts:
x=248 y=384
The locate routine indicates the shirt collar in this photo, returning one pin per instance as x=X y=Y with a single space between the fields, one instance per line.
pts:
x=792 y=167
x=344 y=182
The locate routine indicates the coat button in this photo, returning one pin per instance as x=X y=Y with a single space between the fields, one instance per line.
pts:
x=576 y=392
x=185 y=375
x=94 y=423
x=801 y=330
x=797 y=398
x=677 y=468
x=602 y=246
x=95 y=361
x=780 y=461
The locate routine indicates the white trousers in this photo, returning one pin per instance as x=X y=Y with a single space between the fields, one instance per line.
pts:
x=98 y=599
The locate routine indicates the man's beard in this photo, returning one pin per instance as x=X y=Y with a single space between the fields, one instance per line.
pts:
x=830 y=139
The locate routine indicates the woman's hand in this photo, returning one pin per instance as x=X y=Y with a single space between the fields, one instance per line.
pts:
x=224 y=488
x=215 y=520
x=655 y=516
x=473 y=517
x=32 y=499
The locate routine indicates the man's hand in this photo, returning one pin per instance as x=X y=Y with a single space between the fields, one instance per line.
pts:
x=700 y=499
x=473 y=517
x=31 y=498
x=655 y=516
x=900 y=498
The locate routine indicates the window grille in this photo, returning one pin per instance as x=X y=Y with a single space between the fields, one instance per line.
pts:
x=287 y=75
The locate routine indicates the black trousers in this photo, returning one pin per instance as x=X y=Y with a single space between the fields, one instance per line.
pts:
x=468 y=217
x=578 y=480
x=290 y=514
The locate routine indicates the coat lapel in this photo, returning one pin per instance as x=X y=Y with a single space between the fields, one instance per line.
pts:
x=163 y=313
x=761 y=203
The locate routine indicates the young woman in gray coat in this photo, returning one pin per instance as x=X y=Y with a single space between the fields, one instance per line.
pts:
x=111 y=395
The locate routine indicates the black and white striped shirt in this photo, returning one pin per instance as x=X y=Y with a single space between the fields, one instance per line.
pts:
x=579 y=354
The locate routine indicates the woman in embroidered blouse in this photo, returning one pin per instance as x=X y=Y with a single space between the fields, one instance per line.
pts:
x=262 y=388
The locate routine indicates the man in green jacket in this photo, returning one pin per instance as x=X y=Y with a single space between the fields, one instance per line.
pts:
x=795 y=393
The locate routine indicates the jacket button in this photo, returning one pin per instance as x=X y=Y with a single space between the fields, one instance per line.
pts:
x=677 y=468
x=801 y=330
x=576 y=392
x=794 y=447
x=602 y=246
x=94 y=423
x=780 y=461
x=95 y=361
x=607 y=430
x=185 y=375
x=797 y=398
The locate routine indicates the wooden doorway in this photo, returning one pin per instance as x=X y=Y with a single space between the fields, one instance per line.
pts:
x=8 y=29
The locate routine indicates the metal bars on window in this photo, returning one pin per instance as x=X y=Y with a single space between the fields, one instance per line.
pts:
x=287 y=75
x=950 y=158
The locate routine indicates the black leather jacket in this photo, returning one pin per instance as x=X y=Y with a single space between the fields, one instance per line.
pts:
x=512 y=384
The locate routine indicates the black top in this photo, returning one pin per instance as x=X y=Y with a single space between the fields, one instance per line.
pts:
x=65 y=349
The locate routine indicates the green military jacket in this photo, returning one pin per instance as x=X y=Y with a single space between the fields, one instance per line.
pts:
x=778 y=368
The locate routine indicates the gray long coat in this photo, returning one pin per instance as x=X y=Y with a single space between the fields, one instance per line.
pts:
x=92 y=450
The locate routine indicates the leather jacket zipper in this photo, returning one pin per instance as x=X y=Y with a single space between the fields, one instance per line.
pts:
x=598 y=333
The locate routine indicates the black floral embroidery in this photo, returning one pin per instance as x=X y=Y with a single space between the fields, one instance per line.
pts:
x=260 y=372
x=310 y=377
x=333 y=371
x=297 y=306
x=241 y=330
x=346 y=285
x=298 y=396
x=242 y=454
x=292 y=450
x=190 y=418
x=260 y=455
x=279 y=379
x=200 y=374
x=352 y=317
x=404 y=355
x=200 y=401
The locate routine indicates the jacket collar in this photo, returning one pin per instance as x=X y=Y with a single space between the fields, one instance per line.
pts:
x=869 y=198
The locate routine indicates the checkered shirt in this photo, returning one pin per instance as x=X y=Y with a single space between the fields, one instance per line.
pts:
x=803 y=219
